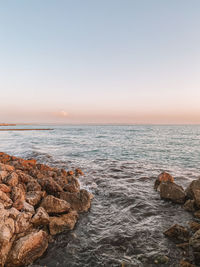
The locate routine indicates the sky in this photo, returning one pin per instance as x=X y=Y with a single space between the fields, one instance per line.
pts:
x=100 y=61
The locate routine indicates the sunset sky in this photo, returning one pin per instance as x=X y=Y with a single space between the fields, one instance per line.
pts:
x=100 y=61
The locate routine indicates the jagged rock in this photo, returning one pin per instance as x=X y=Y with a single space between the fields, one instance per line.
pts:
x=50 y=186
x=23 y=222
x=80 y=201
x=193 y=186
x=62 y=223
x=28 y=208
x=11 y=179
x=33 y=185
x=196 y=194
x=27 y=249
x=23 y=177
x=163 y=177
x=189 y=205
x=197 y=214
x=78 y=172
x=18 y=193
x=194 y=226
x=172 y=191
x=4 y=188
x=5 y=200
x=177 y=232
x=195 y=244
x=55 y=205
x=5 y=167
x=41 y=217
x=18 y=205
x=3 y=175
x=13 y=213
x=33 y=197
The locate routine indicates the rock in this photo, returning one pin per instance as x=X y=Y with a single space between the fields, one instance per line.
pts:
x=177 y=232
x=5 y=167
x=197 y=214
x=18 y=204
x=196 y=194
x=23 y=177
x=33 y=185
x=13 y=213
x=41 y=217
x=194 y=185
x=27 y=249
x=4 y=188
x=18 y=193
x=62 y=223
x=194 y=226
x=78 y=172
x=163 y=177
x=5 y=200
x=195 y=244
x=33 y=197
x=189 y=205
x=161 y=259
x=50 y=186
x=184 y=263
x=55 y=205
x=11 y=179
x=28 y=208
x=172 y=191
x=80 y=201
x=3 y=175
x=23 y=222
x=184 y=246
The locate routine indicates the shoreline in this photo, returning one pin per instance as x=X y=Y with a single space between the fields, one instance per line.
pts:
x=36 y=129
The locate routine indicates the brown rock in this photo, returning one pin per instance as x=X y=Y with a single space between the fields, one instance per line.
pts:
x=4 y=188
x=5 y=167
x=184 y=263
x=18 y=193
x=197 y=214
x=78 y=172
x=163 y=177
x=11 y=179
x=41 y=217
x=196 y=194
x=172 y=191
x=33 y=185
x=23 y=222
x=27 y=249
x=28 y=208
x=33 y=197
x=195 y=244
x=177 y=232
x=50 y=186
x=62 y=223
x=189 y=205
x=18 y=204
x=5 y=200
x=55 y=205
x=80 y=201
x=194 y=185
x=23 y=177
x=3 y=175
x=194 y=226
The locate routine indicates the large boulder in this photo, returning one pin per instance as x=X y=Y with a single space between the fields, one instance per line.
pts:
x=193 y=186
x=173 y=192
x=178 y=233
x=54 y=205
x=50 y=186
x=163 y=177
x=195 y=244
x=80 y=201
x=27 y=249
x=62 y=223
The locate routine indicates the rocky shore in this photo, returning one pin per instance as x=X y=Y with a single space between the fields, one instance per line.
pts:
x=186 y=238
x=36 y=202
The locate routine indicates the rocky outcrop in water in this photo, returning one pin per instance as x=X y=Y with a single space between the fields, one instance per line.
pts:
x=187 y=238
x=36 y=202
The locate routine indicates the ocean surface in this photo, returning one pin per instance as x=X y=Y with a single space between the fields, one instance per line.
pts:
x=125 y=224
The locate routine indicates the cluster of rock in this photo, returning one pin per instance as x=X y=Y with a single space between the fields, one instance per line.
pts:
x=187 y=238
x=36 y=202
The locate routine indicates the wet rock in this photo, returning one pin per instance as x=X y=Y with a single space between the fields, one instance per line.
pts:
x=33 y=197
x=194 y=226
x=78 y=172
x=189 y=205
x=27 y=249
x=11 y=179
x=197 y=214
x=184 y=263
x=23 y=222
x=195 y=244
x=194 y=185
x=178 y=233
x=4 y=188
x=50 y=186
x=55 y=205
x=172 y=191
x=80 y=201
x=41 y=217
x=5 y=200
x=163 y=177
x=62 y=223
x=196 y=194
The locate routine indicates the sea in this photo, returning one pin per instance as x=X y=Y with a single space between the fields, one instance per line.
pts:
x=125 y=224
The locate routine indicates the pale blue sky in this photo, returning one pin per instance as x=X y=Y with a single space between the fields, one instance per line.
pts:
x=122 y=61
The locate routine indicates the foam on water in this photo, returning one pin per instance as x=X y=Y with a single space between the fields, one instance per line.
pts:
x=127 y=218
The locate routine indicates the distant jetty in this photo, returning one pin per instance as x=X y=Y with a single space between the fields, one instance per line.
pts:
x=36 y=129
x=7 y=124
